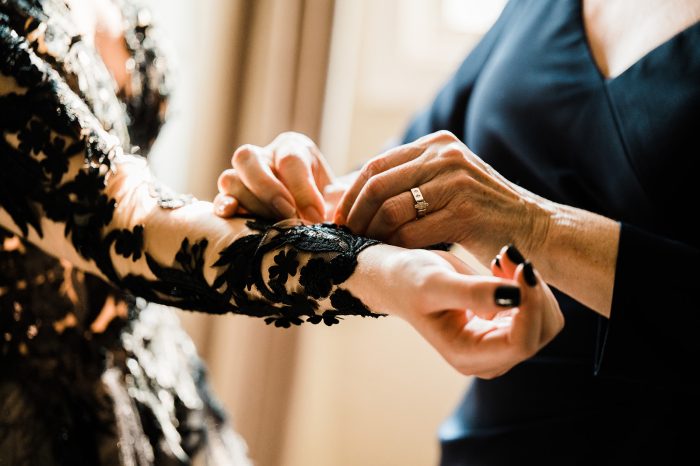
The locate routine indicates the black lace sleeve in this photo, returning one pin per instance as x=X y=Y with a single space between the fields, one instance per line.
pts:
x=67 y=186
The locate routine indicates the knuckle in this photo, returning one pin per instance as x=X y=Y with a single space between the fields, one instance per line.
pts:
x=289 y=160
x=374 y=188
x=373 y=167
x=463 y=182
x=390 y=213
x=422 y=283
x=445 y=135
x=452 y=155
x=242 y=154
x=237 y=189
x=226 y=179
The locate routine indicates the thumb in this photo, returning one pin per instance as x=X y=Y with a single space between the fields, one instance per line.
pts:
x=527 y=322
x=483 y=295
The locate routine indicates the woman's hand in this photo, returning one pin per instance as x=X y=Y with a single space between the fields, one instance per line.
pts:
x=469 y=203
x=481 y=325
x=287 y=178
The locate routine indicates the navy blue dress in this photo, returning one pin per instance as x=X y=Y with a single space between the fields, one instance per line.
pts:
x=530 y=100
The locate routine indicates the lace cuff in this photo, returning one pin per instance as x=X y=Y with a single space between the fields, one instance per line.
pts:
x=286 y=274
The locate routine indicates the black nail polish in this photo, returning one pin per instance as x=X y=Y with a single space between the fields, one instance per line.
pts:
x=497 y=261
x=529 y=274
x=507 y=296
x=514 y=255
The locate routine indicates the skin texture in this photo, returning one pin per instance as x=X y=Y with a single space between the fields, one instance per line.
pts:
x=620 y=32
x=456 y=311
x=284 y=179
x=574 y=250
x=475 y=206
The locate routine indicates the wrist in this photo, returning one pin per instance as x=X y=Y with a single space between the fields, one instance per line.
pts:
x=577 y=252
x=373 y=278
x=535 y=236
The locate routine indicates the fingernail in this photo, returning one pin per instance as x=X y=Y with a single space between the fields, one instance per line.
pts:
x=507 y=296
x=222 y=203
x=497 y=261
x=283 y=207
x=529 y=274
x=514 y=255
x=313 y=214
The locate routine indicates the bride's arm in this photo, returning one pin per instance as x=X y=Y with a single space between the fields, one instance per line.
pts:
x=67 y=186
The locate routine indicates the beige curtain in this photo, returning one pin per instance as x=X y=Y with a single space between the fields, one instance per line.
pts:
x=263 y=72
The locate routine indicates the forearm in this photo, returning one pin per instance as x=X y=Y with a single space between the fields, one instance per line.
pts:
x=192 y=259
x=373 y=279
x=576 y=252
x=139 y=204
x=195 y=260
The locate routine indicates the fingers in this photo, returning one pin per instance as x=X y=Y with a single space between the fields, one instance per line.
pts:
x=323 y=174
x=380 y=164
x=391 y=215
x=481 y=294
x=489 y=348
x=293 y=165
x=423 y=231
x=496 y=268
x=536 y=295
x=552 y=318
x=252 y=165
x=379 y=189
x=231 y=185
x=528 y=321
x=510 y=258
x=225 y=205
x=332 y=194
x=399 y=210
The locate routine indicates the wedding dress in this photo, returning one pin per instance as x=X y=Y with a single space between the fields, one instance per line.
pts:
x=94 y=368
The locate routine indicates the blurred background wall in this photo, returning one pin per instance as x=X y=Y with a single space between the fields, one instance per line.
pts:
x=349 y=73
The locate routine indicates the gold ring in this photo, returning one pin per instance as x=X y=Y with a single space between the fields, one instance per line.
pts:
x=421 y=206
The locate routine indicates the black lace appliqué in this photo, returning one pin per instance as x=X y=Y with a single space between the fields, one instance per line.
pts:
x=33 y=183
x=242 y=287
x=89 y=374
x=47 y=125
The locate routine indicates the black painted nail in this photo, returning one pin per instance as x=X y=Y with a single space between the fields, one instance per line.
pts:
x=529 y=274
x=514 y=255
x=497 y=261
x=507 y=296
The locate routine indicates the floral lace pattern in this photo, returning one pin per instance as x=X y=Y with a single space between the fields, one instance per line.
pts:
x=64 y=132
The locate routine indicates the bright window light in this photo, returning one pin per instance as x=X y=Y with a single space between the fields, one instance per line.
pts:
x=471 y=16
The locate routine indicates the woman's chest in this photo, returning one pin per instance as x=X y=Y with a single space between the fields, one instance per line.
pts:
x=542 y=114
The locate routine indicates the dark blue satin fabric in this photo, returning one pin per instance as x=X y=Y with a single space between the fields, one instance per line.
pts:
x=530 y=100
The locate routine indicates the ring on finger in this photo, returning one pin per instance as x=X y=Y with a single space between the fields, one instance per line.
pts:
x=421 y=205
